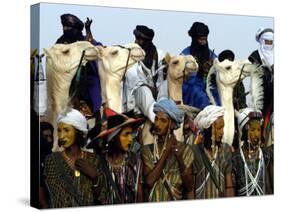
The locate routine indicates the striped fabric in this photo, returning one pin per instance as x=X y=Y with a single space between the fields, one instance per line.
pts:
x=172 y=174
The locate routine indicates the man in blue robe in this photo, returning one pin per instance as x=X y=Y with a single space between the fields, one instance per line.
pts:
x=194 y=89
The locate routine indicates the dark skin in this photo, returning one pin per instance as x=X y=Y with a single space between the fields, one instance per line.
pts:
x=89 y=35
x=163 y=126
x=217 y=134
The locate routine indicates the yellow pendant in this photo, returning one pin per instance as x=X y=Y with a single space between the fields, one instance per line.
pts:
x=77 y=173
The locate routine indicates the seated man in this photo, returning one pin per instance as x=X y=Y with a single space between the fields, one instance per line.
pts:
x=194 y=89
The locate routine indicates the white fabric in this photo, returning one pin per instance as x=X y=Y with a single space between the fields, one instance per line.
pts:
x=208 y=116
x=243 y=117
x=136 y=96
x=266 y=52
x=74 y=118
x=40 y=91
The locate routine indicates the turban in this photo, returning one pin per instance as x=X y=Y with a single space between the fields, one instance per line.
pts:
x=144 y=32
x=198 y=29
x=208 y=116
x=226 y=54
x=245 y=115
x=170 y=108
x=265 y=50
x=74 y=118
x=72 y=21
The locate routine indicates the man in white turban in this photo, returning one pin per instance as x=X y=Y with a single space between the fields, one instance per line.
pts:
x=264 y=56
x=73 y=176
x=252 y=165
x=212 y=158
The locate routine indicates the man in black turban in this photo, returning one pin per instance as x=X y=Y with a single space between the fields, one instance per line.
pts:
x=199 y=47
x=144 y=37
x=72 y=29
x=88 y=89
x=194 y=89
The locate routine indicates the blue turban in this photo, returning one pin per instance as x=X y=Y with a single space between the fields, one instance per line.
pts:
x=170 y=108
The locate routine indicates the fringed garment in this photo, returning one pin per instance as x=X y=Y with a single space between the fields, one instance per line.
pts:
x=66 y=189
x=171 y=171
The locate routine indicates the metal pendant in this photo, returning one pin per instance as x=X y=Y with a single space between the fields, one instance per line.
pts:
x=77 y=173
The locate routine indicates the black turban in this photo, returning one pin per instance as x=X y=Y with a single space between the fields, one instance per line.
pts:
x=144 y=32
x=72 y=21
x=226 y=54
x=198 y=29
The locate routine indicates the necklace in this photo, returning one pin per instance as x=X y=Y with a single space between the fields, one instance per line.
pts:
x=117 y=162
x=71 y=162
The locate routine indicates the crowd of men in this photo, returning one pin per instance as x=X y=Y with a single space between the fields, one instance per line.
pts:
x=108 y=163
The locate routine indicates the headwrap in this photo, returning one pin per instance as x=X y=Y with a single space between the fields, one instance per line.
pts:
x=265 y=51
x=170 y=108
x=226 y=54
x=72 y=21
x=244 y=116
x=198 y=29
x=144 y=32
x=208 y=116
x=74 y=118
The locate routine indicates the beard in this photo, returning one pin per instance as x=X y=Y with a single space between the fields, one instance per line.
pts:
x=70 y=36
x=150 y=54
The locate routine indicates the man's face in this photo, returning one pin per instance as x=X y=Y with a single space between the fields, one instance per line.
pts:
x=66 y=135
x=141 y=42
x=48 y=135
x=268 y=42
x=254 y=132
x=203 y=40
x=161 y=123
x=126 y=138
x=85 y=109
x=217 y=129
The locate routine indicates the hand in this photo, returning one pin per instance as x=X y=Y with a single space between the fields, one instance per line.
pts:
x=171 y=143
x=88 y=23
x=86 y=168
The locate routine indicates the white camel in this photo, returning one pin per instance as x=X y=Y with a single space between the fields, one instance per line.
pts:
x=113 y=62
x=62 y=61
x=179 y=66
x=227 y=75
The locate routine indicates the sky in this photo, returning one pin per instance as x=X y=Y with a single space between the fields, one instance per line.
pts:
x=15 y=81
x=113 y=26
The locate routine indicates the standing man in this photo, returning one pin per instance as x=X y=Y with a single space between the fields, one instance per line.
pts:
x=167 y=163
x=212 y=167
x=121 y=166
x=73 y=177
x=194 y=93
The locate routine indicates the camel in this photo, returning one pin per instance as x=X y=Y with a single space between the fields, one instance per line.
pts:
x=62 y=61
x=113 y=62
x=227 y=75
x=179 y=66
x=61 y=65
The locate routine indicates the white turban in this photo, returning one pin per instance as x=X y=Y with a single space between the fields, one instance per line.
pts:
x=74 y=118
x=243 y=116
x=265 y=51
x=208 y=116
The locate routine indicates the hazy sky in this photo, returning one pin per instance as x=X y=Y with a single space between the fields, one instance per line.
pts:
x=115 y=26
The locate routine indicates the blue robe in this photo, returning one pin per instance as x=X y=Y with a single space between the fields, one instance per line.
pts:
x=194 y=89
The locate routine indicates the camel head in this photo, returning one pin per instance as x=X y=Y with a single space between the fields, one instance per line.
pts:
x=180 y=66
x=229 y=72
x=114 y=58
x=65 y=58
